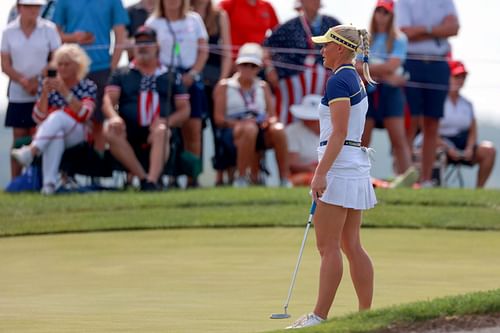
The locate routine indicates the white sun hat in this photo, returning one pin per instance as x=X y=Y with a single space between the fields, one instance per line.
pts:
x=250 y=53
x=32 y=2
x=308 y=109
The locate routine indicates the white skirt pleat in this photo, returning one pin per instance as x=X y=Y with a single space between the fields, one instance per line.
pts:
x=355 y=193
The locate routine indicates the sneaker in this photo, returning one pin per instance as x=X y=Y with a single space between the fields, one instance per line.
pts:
x=407 y=179
x=241 y=182
x=149 y=186
x=427 y=184
x=286 y=183
x=48 y=189
x=23 y=155
x=306 y=320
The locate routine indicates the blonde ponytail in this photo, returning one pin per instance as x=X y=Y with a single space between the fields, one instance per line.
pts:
x=364 y=48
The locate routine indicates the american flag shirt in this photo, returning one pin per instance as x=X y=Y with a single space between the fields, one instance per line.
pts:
x=298 y=78
x=85 y=91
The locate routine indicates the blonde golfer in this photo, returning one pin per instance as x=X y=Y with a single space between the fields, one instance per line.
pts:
x=341 y=184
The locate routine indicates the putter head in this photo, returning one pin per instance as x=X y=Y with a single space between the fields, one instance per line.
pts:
x=279 y=316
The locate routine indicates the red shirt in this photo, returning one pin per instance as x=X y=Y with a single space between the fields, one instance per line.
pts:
x=249 y=23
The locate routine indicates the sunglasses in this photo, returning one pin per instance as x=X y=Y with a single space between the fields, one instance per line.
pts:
x=382 y=10
x=248 y=64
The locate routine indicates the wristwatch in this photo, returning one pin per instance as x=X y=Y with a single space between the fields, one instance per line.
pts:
x=195 y=74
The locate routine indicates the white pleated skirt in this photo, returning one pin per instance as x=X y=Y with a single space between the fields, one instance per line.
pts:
x=348 y=181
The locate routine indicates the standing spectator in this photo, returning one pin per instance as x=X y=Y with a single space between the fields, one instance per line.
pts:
x=300 y=70
x=138 y=14
x=386 y=100
x=218 y=67
x=66 y=103
x=132 y=123
x=46 y=11
x=250 y=20
x=183 y=45
x=27 y=44
x=428 y=24
x=303 y=138
x=89 y=23
x=458 y=129
x=244 y=106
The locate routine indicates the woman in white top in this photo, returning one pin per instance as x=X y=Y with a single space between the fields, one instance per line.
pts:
x=27 y=43
x=243 y=104
x=183 y=44
x=458 y=129
x=341 y=184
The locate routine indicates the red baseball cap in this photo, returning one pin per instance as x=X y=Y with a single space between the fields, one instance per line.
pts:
x=457 y=68
x=386 y=4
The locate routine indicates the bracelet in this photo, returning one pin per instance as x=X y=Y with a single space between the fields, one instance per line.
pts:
x=69 y=97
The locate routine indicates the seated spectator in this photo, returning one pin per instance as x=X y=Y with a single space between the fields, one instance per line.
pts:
x=303 y=138
x=458 y=129
x=66 y=102
x=141 y=103
x=244 y=104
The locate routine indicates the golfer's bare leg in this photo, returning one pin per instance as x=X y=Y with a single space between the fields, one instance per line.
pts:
x=360 y=265
x=328 y=224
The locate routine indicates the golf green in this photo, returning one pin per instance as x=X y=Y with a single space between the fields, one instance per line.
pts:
x=217 y=280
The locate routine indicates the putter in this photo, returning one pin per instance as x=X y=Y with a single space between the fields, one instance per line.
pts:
x=285 y=314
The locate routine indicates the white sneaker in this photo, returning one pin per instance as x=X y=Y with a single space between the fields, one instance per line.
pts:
x=48 y=189
x=286 y=183
x=306 y=320
x=241 y=182
x=22 y=155
x=428 y=184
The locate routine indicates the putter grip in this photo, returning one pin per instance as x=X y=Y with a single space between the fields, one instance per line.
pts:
x=313 y=208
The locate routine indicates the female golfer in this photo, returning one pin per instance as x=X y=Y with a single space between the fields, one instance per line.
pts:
x=341 y=184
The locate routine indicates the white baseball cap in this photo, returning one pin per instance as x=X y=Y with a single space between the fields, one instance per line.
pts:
x=308 y=109
x=32 y=2
x=250 y=53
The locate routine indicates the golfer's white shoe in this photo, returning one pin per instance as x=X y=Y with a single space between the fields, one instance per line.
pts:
x=23 y=155
x=306 y=320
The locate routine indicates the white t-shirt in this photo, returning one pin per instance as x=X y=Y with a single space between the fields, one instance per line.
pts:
x=303 y=141
x=187 y=32
x=456 y=118
x=29 y=55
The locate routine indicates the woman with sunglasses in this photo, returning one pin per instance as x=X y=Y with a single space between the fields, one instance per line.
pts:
x=243 y=104
x=386 y=100
x=341 y=184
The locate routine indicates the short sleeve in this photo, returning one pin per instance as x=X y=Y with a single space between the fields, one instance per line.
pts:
x=5 y=47
x=337 y=89
x=402 y=14
x=59 y=18
x=115 y=79
x=226 y=5
x=54 y=37
x=273 y=17
x=201 y=31
x=450 y=8
x=400 y=47
x=120 y=16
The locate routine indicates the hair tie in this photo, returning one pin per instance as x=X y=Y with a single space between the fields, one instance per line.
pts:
x=365 y=58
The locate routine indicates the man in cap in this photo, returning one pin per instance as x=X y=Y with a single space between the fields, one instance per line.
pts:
x=141 y=102
x=303 y=138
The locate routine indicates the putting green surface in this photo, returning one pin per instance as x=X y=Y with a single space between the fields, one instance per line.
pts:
x=226 y=280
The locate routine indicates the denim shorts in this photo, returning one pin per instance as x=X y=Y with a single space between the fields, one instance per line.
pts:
x=429 y=99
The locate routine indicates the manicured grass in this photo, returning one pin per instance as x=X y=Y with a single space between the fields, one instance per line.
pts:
x=218 y=280
x=468 y=304
x=255 y=207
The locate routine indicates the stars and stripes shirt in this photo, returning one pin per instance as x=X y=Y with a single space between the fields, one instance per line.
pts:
x=300 y=69
x=85 y=91
x=143 y=98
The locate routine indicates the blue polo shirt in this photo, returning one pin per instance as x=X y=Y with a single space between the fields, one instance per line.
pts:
x=95 y=16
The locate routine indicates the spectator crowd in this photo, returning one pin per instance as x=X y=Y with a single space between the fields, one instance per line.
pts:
x=234 y=67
